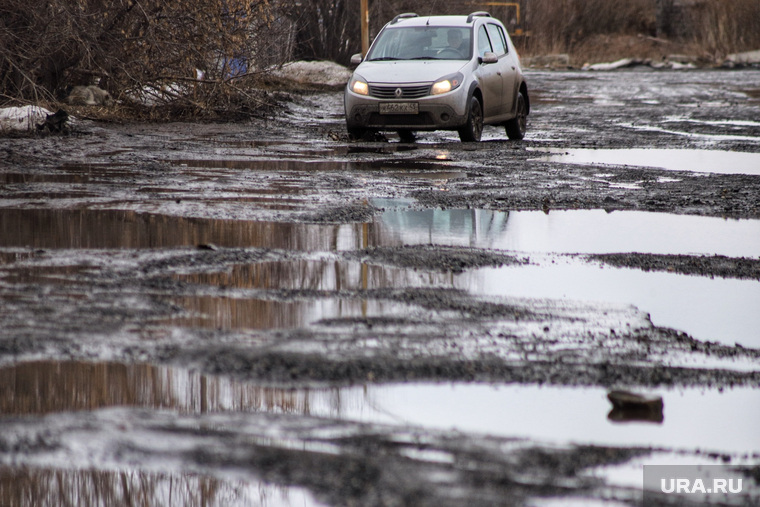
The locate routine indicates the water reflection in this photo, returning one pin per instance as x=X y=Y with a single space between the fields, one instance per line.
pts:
x=723 y=310
x=703 y=161
x=323 y=275
x=693 y=418
x=297 y=164
x=232 y=313
x=719 y=309
x=44 y=275
x=30 y=487
x=579 y=231
x=46 y=228
x=576 y=231
x=43 y=387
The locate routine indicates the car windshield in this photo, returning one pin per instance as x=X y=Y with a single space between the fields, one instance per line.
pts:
x=422 y=43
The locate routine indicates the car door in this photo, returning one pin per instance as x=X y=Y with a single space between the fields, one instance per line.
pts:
x=489 y=76
x=506 y=67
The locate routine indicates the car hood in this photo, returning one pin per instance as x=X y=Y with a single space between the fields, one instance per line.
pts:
x=408 y=71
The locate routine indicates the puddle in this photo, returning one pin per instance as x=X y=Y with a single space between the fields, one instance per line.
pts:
x=575 y=231
x=285 y=165
x=326 y=275
x=436 y=175
x=719 y=123
x=702 y=161
x=13 y=256
x=249 y=313
x=45 y=228
x=708 y=138
x=693 y=419
x=708 y=420
x=323 y=275
x=307 y=148
x=55 y=486
x=50 y=275
x=723 y=310
x=45 y=387
x=718 y=309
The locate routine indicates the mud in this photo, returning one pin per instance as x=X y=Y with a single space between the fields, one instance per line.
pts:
x=717 y=265
x=224 y=313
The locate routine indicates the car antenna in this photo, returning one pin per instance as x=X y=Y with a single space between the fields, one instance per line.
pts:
x=427 y=23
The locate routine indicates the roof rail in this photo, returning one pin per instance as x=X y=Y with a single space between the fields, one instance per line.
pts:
x=477 y=15
x=404 y=16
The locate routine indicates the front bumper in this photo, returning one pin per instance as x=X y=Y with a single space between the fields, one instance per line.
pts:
x=436 y=112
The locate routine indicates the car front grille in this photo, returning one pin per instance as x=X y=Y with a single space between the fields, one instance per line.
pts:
x=407 y=92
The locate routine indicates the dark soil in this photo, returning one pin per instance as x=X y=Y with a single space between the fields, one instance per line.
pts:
x=202 y=248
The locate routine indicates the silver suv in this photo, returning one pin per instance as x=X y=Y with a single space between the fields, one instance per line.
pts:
x=438 y=73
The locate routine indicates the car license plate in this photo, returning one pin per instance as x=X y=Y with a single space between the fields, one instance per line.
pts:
x=399 y=108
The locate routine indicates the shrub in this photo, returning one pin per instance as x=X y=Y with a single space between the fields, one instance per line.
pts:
x=193 y=54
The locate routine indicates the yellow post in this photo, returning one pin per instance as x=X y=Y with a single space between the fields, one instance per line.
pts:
x=365 y=26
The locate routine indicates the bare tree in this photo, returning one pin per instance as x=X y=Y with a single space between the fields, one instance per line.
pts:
x=195 y=52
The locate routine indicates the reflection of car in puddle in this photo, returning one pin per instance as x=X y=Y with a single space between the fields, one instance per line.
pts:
x=452 y=227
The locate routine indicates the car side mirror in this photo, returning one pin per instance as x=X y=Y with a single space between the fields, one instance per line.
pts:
x=489 y=57
x=357 y=59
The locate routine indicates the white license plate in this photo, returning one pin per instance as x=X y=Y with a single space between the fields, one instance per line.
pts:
x=399 y=108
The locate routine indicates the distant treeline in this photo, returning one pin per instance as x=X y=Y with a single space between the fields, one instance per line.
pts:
x=713 y=27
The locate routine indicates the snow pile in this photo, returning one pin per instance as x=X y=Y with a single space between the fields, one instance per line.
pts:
x=321 y=73
x=619 y=64
x=746 y=58
x=22 y=118
x=626 y=63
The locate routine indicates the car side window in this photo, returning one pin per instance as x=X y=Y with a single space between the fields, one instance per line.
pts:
x=497 y=39
x=484 y=45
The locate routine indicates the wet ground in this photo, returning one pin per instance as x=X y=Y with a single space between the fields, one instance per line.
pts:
x=268 y=314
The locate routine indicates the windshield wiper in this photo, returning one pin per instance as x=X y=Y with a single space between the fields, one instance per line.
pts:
x=427 y=58
x=384 y=59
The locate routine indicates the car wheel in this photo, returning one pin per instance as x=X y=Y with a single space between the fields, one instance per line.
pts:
x=473 y=129
x=516 y=126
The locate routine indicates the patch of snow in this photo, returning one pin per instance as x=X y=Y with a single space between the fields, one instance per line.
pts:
x=746 y=58
x=620 y=64
x=322 y=73
x=625 y=63
x=22 y=118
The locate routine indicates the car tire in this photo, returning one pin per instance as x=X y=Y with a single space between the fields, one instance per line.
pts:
x=473 y=129
x=516 y=126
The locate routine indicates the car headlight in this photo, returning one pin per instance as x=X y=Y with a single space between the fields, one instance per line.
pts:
x=359 y=85
x=446 y=84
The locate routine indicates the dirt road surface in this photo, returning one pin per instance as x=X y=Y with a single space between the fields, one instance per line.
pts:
x=266 y=313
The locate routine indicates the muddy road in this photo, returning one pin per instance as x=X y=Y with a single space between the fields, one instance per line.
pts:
x=265 y=313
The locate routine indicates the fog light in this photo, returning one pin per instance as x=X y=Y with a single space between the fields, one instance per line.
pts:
x=445 y=117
